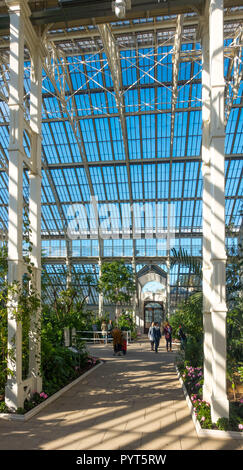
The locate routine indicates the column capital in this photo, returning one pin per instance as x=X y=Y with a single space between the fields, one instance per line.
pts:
x=15 y=6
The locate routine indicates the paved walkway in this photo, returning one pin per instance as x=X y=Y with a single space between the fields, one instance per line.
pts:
x=133 y=402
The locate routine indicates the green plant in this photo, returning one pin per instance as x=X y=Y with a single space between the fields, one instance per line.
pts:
x=117 y=282
x=19 y=301
x=126 y=321
x=202 y=412
x=223 y=424
x=189 y=314
x=66 y=364
x=193 y=378
x=3 y=407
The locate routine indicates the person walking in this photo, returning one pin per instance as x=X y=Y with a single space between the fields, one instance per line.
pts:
x=117 y=341
x=151 y=335
x=109 y=331
x=157 y=336
x=168 y=335
x=104 y=331
x=124 y=341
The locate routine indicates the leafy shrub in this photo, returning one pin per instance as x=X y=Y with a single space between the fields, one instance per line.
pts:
x=126 y=322
x=202 y=412
x=193 y=378
x=60 y=365
x=194 y=352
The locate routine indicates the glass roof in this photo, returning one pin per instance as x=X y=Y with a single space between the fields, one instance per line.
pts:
x=134 y=150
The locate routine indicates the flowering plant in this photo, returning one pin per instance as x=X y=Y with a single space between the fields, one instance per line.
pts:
x=201 y=409
x=92 y=361
x=35 y=400
x=193 y=379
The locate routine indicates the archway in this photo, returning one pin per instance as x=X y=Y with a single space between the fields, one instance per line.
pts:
x=152 y=281
x=153 y=312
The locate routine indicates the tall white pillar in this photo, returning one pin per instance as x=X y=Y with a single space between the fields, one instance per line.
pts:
x=135 y=295
x=219 y=401
x=101 y=296
x=168 y=288
x=35 y=213
x=206 y=213
x=21 y=30
x=14 y=390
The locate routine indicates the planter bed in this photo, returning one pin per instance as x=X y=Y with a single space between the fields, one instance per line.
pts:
x=26 y=416
x=213 y=433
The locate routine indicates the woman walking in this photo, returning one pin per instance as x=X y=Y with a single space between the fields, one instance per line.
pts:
x=117 y=341
x=151 y=335
x=168 y=335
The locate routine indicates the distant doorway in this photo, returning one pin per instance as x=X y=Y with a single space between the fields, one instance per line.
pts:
x=153 y=312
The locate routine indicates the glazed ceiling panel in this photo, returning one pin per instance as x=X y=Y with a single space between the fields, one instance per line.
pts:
x=129 y=143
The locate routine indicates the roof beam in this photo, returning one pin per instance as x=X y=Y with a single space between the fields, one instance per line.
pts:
x=235 y=66
x=113 y=58
x=176 y=63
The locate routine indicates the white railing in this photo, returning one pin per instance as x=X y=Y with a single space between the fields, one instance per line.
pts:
x=100 y=336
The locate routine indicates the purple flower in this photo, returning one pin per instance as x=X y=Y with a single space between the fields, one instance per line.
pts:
x=240 y=426
x=203 y=418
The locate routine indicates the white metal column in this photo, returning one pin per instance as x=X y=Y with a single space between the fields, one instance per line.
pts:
x=206 y=212
x=21 y=31
x=219 y=401
x=168 y=288
x=14 y=390
x=135 y=295
x=101 y=296
x=35 y=211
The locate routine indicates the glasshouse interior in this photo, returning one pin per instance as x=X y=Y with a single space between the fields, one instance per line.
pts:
x=121 y=145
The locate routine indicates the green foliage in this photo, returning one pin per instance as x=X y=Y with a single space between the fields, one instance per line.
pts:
x=3 y=407
x=25 y=297
x=126 y=321
x=189 y=313
x=234 y=276
x=235 y=421
x=194 y=352
x=3 y=318
x=60 y=365
x=193 y=378
x=117 y=282
x=193 y=381
x=189 y=316
x=223 y=424
x=240 y=372
x=181 y=257
x=202 y=412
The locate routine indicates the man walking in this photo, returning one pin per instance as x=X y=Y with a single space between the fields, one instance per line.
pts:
x=156 y=335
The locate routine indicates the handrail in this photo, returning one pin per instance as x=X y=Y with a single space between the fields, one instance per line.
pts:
x=104 y=336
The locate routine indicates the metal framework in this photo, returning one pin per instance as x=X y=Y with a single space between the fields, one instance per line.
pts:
x=126 y=113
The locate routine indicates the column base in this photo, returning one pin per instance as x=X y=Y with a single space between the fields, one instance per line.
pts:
x=14 y=395
x=36 y=384
x=219 y=408
x=207 y=394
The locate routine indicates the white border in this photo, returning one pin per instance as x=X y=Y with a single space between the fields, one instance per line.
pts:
x=217 y=433
x=38 y=408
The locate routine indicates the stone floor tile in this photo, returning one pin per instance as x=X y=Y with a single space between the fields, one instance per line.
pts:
x=190 y=443
x=208 y=443
x=160 y=441
x=130 y=440
x=129 y=403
